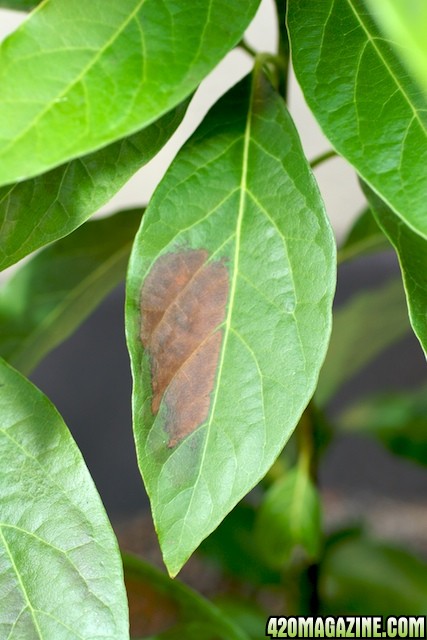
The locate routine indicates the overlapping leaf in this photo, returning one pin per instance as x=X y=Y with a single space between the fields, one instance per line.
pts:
x=406 y=24
x=43 y=209
x=411 y=250
x=371 y=110
x=78 y=75
x=47 y=298
x=60 y=572
x=233 y=274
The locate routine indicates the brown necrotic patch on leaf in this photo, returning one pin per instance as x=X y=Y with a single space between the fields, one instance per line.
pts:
x=183 y=303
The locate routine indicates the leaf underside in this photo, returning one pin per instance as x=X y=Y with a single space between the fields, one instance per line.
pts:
x=234 y=262
x=366 y=103
x=38 y=211
x=79 y=75
x=60 y=571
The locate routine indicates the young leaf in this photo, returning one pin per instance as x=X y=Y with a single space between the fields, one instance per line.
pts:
x=398 y=420
x=411 y=250
x=78 y=75
x=151 y=592
x=370 y=109
x=229 y=297
x=369 y=323
x=47 y=299
x=364 y=237
x=360 y=576
x=36 y=212
x=289 y=517
x=60 y=576
x=406 y=24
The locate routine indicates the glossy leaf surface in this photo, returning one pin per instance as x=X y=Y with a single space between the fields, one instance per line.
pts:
x=366 y=103
x=363 y=577
x=165 y=607
x=78 y=75
x=367 y=324
x=234 y=262
x=38 y=211
x=411 y=250
x=289 y=516
x=60 y=571
x=48 y=297
x=405 y=22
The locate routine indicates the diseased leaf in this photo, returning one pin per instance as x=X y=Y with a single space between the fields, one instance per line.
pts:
x=234 y=262
x=160 y=605
x=369 y=323
x=48 y=297
x=364 y=237
x=406 y=24
x=363 y=577
x=38 y=211
x=398 y=420
x=60 y=572
x=289 y=516
x=411 y=250
x=78 y=75
x=371 y=110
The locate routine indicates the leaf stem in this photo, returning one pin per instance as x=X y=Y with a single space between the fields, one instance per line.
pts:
x=323 y=157
x=243 y=44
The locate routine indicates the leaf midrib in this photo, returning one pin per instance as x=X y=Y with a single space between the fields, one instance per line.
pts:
x=227 y=325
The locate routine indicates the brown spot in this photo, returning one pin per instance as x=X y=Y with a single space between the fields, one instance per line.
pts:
x=183 y=302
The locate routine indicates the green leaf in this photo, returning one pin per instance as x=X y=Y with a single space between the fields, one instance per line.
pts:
x=151 y=593
x=411 y=250
x=36 y=212
x=360 y=576
x=60 y=576
x=365 y=237
x=371 y=110
x=406 y=24
x=398 y=420
x=369 y=323
x=239 y=217
x=48 y=297
x=78 y=75
x=18 y=5
x=288 y=517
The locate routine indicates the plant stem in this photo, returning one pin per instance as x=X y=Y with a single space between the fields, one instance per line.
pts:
x=323 y=157
x=283 y=49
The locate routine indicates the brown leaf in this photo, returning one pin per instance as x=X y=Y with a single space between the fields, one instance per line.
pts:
x=183 y=303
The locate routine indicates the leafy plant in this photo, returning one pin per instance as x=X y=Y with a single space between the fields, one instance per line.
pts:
x=230 y=284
